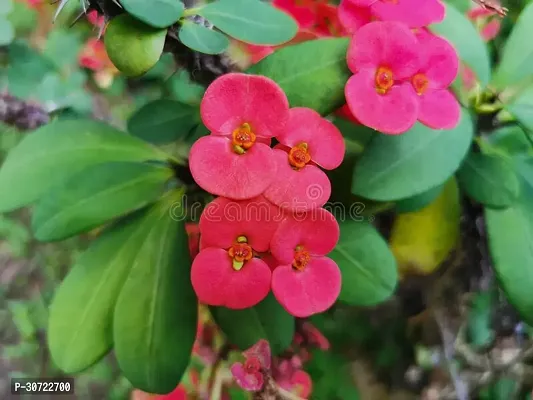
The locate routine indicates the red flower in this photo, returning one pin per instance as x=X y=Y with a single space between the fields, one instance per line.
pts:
x=383 y=56
x=353 y=17
x=308 y=141
x=293 y=379
x=242 y=112
x=484 y=18
x=95 y=19
x=327 y=21
x=226 y=271
x=314 y=337
x=306 y=282
x=303 y=11
x=414 y=13
x=439 y=108
x=249 y=375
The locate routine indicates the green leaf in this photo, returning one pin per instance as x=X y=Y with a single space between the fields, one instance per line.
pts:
x=60 y=149
x=517 y=57
x=510 y=139
x=396 y=167
x=81 y=315
x=6 y=7
x=369 y=271
x=27 y=69
x=7 y=32
x=419 y=201
x=522 y=108
x=155 y=320
x=312 y=74
x=479 y=320
x=267 y=320
x=96 y=195
x=202 y=39
x=163 y=121
x=510 y=238
x=58 y=41
x=471 y=48
x=251 y=21
x=489 y=180
x=184 y=90
x=156 y=13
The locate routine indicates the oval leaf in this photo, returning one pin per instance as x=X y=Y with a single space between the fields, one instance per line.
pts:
x=510 y=235
x=267 y=320
x=202 y=39
x=163 y=121
x=81 y=313
x=396 y=167
x=369 y=272
x=156 y=315
x=60 y=149
x=251 y=21
x=471 y=48
x=522 y=108
x=96 y=195
x=423 y=239
x=156 y=13
x=312 y=74
x=517 y=57
x=419 y=201
x=489 y=180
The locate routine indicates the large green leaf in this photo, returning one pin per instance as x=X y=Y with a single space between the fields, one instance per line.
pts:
x=510 y=237
x=369 y=271
x=251 y=21
x=96 y=195
x=202 y=39
x=419 y=201
x=60 y=149
x=156 y=13
x=81 y=314
x=522 y=108
x=155 y=319
x=517 y=58
x=397 y=167
x=163 y=121
x=471 y=48
x=312 y=74
x=489 y=179
x=267 y=320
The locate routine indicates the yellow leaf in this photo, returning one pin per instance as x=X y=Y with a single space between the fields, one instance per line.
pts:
x=423 y=239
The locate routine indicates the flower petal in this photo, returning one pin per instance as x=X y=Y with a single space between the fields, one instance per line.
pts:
x=248 y=381
x=392 y=113
x=217 y=169
x=316 y=230
x=302 y=383
x=236 y=98
x=216 y=283
x=439 y=109
x=307 y=292
x=223 y=220
x=324 y=140
x=413 y=13
x=389 y=44
x=440 y=61
x=353 y=17
x=303 y=15
x=362 y=3
x=300 y=190
x=261 y=350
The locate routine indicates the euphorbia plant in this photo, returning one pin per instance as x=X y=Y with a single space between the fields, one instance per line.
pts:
x=263 y=176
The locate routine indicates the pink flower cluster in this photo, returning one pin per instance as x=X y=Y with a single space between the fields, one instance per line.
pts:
x=267 y=230
x=401 y=71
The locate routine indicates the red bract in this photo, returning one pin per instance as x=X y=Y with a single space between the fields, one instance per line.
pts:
x=225 y=272
x=439 y=108
x=314 y=337
x=383 y=56
x=306 y=282
x=353 y=17
x=414 y=13
x=309 y=140
x=303 y=11
x=483 y=17
x=293 y=379
x=249 y=375
x=327 y=21
x=95 y=19
x=242 y=112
